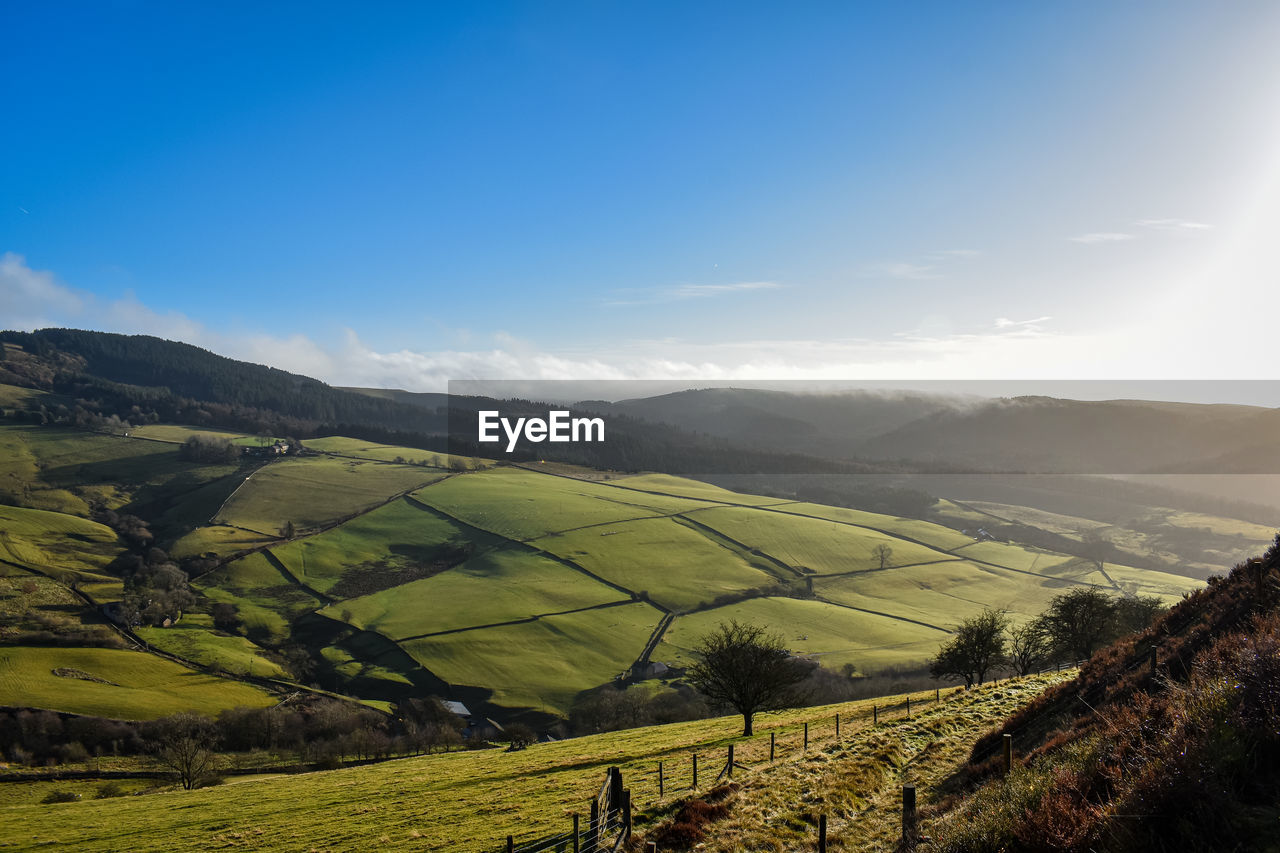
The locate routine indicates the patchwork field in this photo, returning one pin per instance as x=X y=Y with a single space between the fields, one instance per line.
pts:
x=70 y=549
x=125 y=685
x=333 y=489
x=675 y=565
x=530 y=583
x=832 y=634
x=545 y=663
x=813 y=545
x=502 y=585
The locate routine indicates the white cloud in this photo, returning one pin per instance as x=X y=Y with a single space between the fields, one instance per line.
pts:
x=31 y=298
x=1101 y=237
x=682 y=292
x=909 y=272
x=958 y=253
x=1182 y=225
x=1030 y=325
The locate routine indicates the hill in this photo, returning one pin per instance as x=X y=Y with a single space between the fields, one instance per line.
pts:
x=473 y=799
x=1165 y=740
x=386 y=572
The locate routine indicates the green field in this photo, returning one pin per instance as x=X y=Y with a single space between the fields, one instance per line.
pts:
x=219 y=539
x=831 y=634
x=175 y=434
x=523 y=505
x=399 y=539
x=811 y=544
x=310 y=492
x=473 y=799
x=141 y=686
x=70 y=549
x=342 y=446
x=496 y=586
x=676 y=565
x=545 y=663
x=667 y=484
x=195 y=639
x=933 y=535
x=265 y=598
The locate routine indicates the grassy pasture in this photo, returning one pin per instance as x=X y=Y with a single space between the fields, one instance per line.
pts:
x=1022 y=557
x=1055 y=522
x=65 y=470
x=821 y=546
x=177 y=434
x=523 y=505
x=265 y=598
x=678 y=566
x=433 y=803
x=944 y=594
x=496 y=586
x=1167 y=586
x=142 y=686
x=70 y=549
x=933 y=535
x=396 y=538
x=15 y=397
x=312 y=491
x=343 y=446
x=195 y=639
x=668 y=484
x=833 y=635
x=220 y=539
x=542 y=664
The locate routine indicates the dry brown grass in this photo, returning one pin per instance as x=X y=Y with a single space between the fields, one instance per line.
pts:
x=857 y=782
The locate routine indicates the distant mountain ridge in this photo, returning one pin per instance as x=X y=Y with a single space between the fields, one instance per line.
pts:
x=1034 y=434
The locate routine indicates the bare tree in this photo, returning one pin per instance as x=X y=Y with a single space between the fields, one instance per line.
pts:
x=1029 y=646
x=976 y=647
x=746 y=668
x=883 y=553
x=185 y=744
x=1080 y=622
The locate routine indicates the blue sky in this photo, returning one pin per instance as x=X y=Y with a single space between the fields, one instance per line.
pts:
x=399 y=194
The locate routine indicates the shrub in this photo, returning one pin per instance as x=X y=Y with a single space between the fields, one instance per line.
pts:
x=61 y=796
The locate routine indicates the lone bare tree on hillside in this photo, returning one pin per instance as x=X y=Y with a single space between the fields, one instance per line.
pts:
x=748 y=669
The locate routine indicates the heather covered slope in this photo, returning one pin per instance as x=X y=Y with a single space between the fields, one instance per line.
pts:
x=1182 y=755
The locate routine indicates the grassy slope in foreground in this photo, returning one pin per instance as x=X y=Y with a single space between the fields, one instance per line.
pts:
x=472 y=800
x=133 y=685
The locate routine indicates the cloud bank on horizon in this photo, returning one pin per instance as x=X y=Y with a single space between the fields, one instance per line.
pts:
x=1006 y=349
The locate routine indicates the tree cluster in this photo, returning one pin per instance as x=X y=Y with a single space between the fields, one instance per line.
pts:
x=1075 y=625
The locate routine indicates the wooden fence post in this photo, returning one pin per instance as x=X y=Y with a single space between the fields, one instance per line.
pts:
x=1008 y=753
x=909 y=816
x=773 y=740
x=806 y=736
x=626 y=811
x=660 y=786
x=511 y=845
x=908 y=707
x=875 y=715
x=695 y=771
x=593 y=828
x=729 y=766
x=837 y=725
x=576 y=835
x=937 y=694
x=822 y=833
